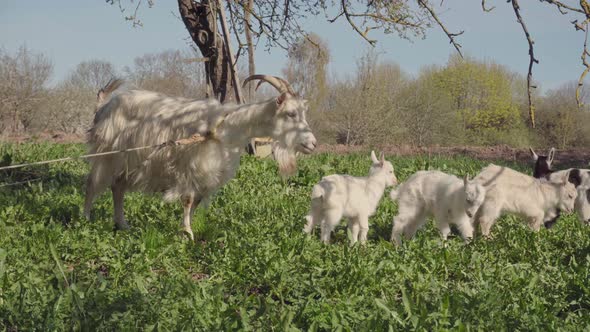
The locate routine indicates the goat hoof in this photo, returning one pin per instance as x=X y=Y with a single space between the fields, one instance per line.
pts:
x=122 y=226
x=188 y=233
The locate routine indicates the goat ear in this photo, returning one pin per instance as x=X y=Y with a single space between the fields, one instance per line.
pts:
x=374 y=158
x=382 y=158
x=281 y=99
x=535 y=157
x=551 y=155
x=465 y=179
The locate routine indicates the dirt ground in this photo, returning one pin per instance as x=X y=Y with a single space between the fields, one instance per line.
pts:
x=579 y=157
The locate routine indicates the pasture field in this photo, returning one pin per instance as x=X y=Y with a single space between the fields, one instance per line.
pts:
x=252 y=268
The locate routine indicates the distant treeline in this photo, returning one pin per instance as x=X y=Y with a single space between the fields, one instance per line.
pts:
x=465 y=102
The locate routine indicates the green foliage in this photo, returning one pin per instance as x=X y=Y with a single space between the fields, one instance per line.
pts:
x=252 y=268
x=481 y=93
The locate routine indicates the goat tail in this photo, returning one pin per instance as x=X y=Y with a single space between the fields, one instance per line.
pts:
x=107 y=90
x=393 y=194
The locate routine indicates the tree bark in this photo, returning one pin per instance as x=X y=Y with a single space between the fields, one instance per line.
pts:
x=200 y=20
x=251 y=65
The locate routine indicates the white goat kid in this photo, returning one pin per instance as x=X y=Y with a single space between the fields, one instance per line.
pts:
x=190 y=172
x=579 y=177
x=355 y=198
x=509 y=191
x=447 y=198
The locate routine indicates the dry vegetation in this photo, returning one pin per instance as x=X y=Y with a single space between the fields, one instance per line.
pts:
x=465 y=102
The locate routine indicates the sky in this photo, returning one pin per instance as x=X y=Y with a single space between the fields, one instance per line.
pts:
x=72 y=31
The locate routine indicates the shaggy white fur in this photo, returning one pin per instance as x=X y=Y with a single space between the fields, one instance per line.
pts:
x=447 y=198
x=355 y=198
x=189 y=172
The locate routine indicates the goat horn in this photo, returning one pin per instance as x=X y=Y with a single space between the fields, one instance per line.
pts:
x=276 y=83
x=289 y=87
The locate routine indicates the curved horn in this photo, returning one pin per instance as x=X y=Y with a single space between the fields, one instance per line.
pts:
x=287 y=85
x=277 y=84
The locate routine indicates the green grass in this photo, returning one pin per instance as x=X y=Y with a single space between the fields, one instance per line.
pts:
x=251 y=267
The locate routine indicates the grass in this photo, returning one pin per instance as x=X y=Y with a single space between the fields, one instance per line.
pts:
x=252 y=268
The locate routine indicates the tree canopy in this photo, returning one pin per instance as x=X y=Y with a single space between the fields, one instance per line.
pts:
x=277 y=23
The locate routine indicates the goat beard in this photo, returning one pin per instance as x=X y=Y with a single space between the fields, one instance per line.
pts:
x=286 y=159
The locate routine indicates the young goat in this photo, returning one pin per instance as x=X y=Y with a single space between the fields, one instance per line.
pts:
x=510 y=191
x=193 y=172
x=580 y=178
x=542 y=163
x=447 y=198
x=355 y=198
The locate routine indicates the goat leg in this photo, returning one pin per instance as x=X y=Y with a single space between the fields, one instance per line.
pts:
x=189 y=204
x=118 y=189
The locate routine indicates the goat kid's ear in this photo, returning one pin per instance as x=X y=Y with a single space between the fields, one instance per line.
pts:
x=535 y=157
x=551 y=155
x=382 y=159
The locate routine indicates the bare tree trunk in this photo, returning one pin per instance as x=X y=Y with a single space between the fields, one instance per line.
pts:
x=251 y=66
x=200 y=20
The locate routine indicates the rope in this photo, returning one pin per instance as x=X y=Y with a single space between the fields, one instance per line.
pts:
x=196 y=138
x=2 y=185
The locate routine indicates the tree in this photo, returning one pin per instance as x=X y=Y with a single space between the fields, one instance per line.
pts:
x=169 y=72
x=364 y=108
x=426 y=113
x=92 y=75
x=277 y=21
x=306 y=67
x=70 y=105
x=481 y=94
x=560 y=122
x=307 y=71
x=23 y=77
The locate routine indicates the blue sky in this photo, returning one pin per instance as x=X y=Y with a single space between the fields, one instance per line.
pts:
x=71 y=31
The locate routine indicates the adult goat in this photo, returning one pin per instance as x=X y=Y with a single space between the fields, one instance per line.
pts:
x=191 y=172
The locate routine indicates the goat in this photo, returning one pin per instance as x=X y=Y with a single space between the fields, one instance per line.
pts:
x=192 y=172
x=542 y=163
x=580 y=178
x=355 y=198
x=447 y=198
x=510 y=191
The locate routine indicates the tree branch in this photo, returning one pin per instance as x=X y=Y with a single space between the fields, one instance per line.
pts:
x=483 y=6
x=561 y=6
x=532 y=60
x=449 y=34
x=354 y=26
x=585 y=63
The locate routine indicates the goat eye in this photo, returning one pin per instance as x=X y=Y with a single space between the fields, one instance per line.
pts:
x=292 y=114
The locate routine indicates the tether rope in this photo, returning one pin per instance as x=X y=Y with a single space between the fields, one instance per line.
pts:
x=197 y=138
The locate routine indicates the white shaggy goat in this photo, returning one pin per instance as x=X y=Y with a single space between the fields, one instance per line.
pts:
x=580 y=178
x=355 y=198
x=513 y=192
x=447 y=198
x=189 y=172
